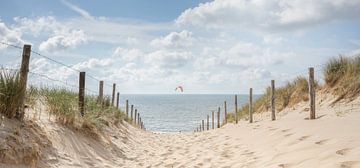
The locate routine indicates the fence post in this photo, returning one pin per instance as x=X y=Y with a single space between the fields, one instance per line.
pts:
x=135 y=117
x=225 y=111
x=213 y=119
x=23 y=80
x=207 y=123
x=127 y=108
x=312 y=93
x=113 y=95
x=200 y=127
x=117 y=100
x=236 y=110
x=101 y=92
x=139 y=119
x=82 y=93
x=203 y=125
x=218 y=116
x=273 y=117
x=132 y=109
x=250 y=107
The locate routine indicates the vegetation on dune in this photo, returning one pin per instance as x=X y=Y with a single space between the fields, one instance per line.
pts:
x=286 y=96
x=342 y=75
x=9 y=93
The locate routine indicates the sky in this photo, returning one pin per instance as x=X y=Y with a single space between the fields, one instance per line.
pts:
x=151 y=47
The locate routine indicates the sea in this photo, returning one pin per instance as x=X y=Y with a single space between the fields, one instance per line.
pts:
x=166 y=113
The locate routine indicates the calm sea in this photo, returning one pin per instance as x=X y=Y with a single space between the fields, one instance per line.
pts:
x=179 y=112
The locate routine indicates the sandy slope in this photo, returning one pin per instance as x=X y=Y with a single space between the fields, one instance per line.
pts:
x=332 y=140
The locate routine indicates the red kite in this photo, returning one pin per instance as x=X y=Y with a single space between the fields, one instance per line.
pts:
x=179 y=88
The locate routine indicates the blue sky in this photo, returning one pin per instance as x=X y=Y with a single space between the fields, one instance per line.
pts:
x=221 y=46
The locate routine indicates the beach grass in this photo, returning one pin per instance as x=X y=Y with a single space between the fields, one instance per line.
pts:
x=288 y=95
x=10 y=91
x=342 y=76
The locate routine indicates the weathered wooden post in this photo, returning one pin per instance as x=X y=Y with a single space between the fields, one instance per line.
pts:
x=24 y=70
x=200 y=127
x=273 y=117
x=127 y=108
x=218 y=116
x=132 y=109
x=236 y=110
x=138 y=122
x=113 y=95
x=225 y=111
x=101 y=92
x=135 y=116
x=213 y=119
x=312 y=93
x=82 y=93
x=250 y=107
x=117 y=100
x=207 y=123
x=203 y=125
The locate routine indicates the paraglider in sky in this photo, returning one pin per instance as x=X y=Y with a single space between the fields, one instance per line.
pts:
x=180 y=88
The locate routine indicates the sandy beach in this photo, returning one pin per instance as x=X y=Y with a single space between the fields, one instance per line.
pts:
x=332 y=140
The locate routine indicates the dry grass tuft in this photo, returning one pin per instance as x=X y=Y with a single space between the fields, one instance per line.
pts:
x=342 y=76
x=9 y=93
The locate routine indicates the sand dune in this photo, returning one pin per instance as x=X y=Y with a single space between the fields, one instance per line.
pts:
x=332 y=140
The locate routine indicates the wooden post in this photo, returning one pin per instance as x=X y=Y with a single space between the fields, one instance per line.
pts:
x=273 y=117
x=127 y=108
x=203 y=125
x=312 y=93
x=24 y=70
x=213 y=119
x=101 y=92
x=207 y=123
x=200 y=127
x=117 y=100
x=138 y=122
x=225 y=111
x=218 y=116
x=135 y=116
x=132 y=109
x=113 y=95
x=250 y=107
x=82 y=93
x=236 y=110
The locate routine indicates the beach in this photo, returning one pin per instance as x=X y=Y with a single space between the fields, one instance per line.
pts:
x=331 y=140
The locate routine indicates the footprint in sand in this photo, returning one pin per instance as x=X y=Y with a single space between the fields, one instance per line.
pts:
x=285 y=130
x=343 y=151
x=287 y=135
x=321 y=142
x=284 y=165
x=349 y=164
x=304 y=137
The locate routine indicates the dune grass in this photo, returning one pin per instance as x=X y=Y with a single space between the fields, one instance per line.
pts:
x=342 y=75
x=10 y=91
x=63 y=104
x=286 y=96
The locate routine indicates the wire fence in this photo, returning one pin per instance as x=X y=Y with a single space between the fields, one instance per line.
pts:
x=42 y=79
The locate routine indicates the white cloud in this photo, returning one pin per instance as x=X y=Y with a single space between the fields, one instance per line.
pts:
x=174 y=40
x=37 y=26
x=63 y=41
x=169 y=59
x=8 y=35
x=240 y=55
x=77 y=9
x=356 y=42
x=273 y=40
x=128 y=54
x=93 y=63
x=274 y=15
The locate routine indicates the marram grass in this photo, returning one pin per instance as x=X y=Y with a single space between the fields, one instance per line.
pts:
x=10 y=91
